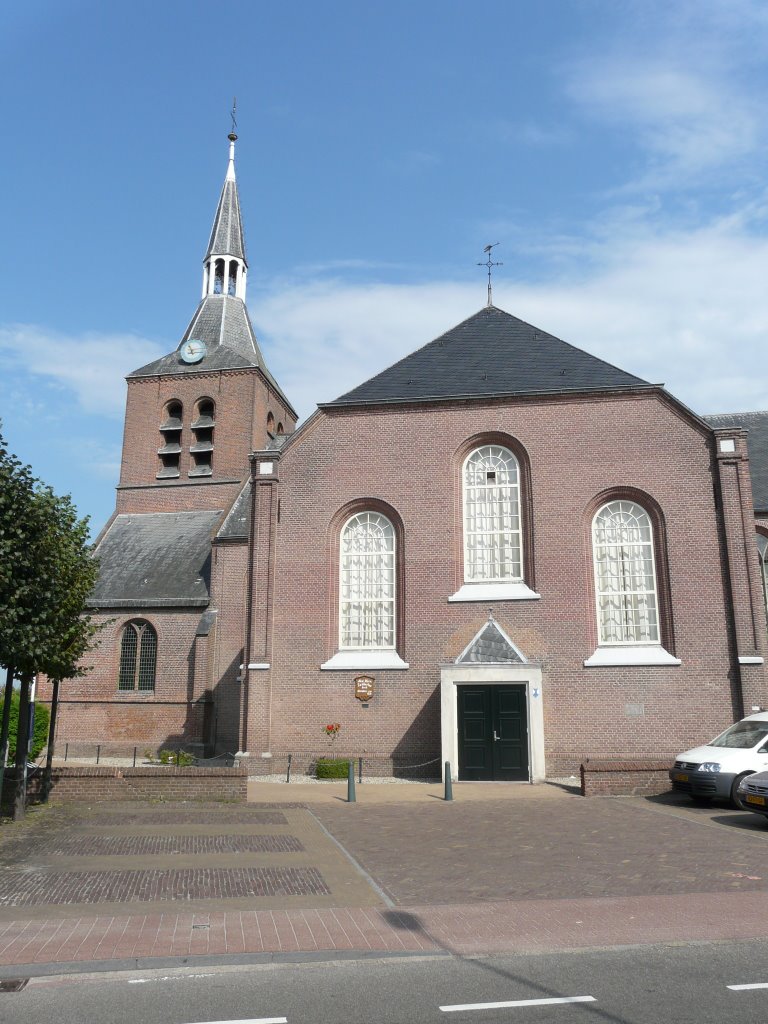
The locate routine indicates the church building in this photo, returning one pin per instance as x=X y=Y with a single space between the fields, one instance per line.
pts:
x=502 y=552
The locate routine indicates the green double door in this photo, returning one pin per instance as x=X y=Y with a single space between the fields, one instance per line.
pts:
x=493 y=733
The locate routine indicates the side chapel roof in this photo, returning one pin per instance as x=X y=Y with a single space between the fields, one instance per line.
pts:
x=155 y=560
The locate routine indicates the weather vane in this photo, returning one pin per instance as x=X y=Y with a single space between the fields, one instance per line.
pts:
x=488 y=250
x=232 y=113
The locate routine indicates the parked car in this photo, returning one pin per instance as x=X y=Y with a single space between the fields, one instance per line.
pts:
x=718 y=768
x=753 y=793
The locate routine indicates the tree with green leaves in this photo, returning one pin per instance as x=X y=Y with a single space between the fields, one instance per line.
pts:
x=46 y=574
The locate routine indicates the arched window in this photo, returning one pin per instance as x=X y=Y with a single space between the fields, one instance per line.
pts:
x=625 y=575
x=762 y=553
x=493 y=550
x=367 y=583
x=270 y=424
x=138 y=657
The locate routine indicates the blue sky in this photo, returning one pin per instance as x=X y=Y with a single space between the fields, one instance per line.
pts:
x=615 y=150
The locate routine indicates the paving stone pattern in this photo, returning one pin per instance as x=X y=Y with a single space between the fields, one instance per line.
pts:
x=194 y=817
x=34 y=888
x=148 y=846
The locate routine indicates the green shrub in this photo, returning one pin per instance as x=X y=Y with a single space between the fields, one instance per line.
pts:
x=179 y=757
x=40 y=737
x=331 y=768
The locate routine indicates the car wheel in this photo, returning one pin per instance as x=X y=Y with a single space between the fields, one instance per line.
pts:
x=734 y=791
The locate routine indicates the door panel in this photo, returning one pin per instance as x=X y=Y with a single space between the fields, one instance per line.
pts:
x=493 y=733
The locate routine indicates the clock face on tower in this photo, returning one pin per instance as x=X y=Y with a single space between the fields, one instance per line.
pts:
x=192 y=351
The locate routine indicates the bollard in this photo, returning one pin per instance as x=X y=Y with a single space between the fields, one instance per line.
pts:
x=98 y=752
x=134 y=757
x=360 y=770
x=66 y=751
x=351 y=798
x=288 y=773
x=448 y=783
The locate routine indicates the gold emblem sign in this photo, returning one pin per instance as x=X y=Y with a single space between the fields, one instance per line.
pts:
x=364 y=687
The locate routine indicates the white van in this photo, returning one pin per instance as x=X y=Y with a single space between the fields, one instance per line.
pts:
x=717 y=768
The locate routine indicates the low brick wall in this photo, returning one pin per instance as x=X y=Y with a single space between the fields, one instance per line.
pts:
x=624 y=778
x=104 y=784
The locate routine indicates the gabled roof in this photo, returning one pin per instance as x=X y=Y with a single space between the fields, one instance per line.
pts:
x=155 y=560
x=490 y=354
x=757 y=444
x=227 y=237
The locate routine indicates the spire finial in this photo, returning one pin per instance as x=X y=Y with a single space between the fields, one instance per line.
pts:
x=232 y=140
x=488 y=250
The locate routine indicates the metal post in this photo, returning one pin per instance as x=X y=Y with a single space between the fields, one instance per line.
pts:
x=448 y=782
x=47 y=775
x=178 y=755
x=288 y=773
x=134 y=757
x=360 y=770
x=98 y=752
x=66 y=751
x=351 y=798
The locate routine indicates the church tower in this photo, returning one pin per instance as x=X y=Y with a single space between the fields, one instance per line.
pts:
x=194 y=415
x=173 y=557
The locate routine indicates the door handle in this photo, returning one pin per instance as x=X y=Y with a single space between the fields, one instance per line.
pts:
x=495 y=735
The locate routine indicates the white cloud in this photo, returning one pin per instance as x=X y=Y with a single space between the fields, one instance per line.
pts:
x=686 y=308
x=91 y=365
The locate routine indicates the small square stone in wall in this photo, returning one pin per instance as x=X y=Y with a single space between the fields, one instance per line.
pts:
x=634 y=710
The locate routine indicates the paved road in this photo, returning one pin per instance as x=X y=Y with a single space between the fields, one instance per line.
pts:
x=520 y=869
x=624 y=986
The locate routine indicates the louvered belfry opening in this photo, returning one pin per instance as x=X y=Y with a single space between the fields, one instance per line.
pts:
x=169 y=451
x=201 y=449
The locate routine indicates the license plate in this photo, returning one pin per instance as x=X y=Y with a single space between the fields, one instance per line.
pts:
x=681 y=778
x=750 y=799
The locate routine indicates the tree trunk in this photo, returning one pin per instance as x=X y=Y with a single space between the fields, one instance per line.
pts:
x=51 y=739
x=4 y=729
x=22 y=750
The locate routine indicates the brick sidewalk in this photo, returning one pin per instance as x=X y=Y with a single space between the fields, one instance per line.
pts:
x=487 y=874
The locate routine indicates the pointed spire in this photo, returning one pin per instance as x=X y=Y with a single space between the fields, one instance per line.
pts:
x=225 y=262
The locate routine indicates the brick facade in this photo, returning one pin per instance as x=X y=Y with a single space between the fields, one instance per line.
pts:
x=581 y=451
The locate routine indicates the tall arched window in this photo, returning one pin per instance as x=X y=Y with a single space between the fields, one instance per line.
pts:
x=625 y=574
x=138 y=657
x=493 y=550
x=762 y=552
x=367 y=583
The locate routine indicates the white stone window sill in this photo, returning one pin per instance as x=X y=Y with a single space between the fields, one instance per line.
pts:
x=640 y=655
x=362 y=660
x=495 y=592
x=749 y=660
x=258 y=664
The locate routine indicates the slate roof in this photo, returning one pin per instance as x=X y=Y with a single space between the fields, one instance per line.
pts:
x=490 y=354
x=227 y=237
x=490 y=647
x=156 y=560
x=757 y=443
x=237 y=521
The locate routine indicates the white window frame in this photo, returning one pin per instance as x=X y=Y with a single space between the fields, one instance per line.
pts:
x=391 y=601
x=500 y=452
x=651 y=641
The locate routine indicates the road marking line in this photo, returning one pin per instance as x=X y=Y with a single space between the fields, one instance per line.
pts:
x=251 y=1020
x=517 y=1002
x=742 y=988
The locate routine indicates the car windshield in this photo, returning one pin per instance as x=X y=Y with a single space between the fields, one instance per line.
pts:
x=742 y=735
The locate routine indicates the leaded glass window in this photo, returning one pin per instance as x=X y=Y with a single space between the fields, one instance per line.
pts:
x=625 y=575
x=138 y=657
x=492 y=529
x=762 y=551
x=367 y=583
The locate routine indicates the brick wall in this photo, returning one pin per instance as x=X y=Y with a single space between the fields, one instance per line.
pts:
x=580 y=450
x=104 y=784
x=625 y=778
